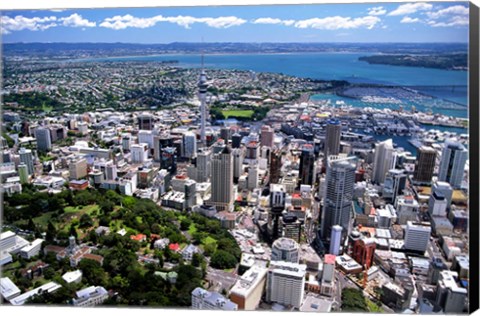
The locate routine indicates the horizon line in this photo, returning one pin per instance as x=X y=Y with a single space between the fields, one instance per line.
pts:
x=203 y=43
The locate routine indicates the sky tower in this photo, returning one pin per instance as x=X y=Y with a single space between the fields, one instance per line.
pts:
x=202 y=91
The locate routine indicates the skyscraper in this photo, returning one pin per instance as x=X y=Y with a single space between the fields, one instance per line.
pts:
x=307 y=165
x=202 y=93
x=332 y=139
x=338 y=200
x=44 y=139
x=275 y=166
x=335 y=240
x=237 y=163
x=384 y=160
x=452 y=165
x=394 y=184
x=266 y=136
x=222 y=180
x=417 y=236
x=159 y=143
x=189 y=145
x=203 y=165
x=285 y=283
x=425 y=164
x=145 y=122
x=26 y=157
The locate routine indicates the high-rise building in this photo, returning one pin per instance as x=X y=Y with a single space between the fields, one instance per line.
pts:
x=307 y=165
x=111 y=172
x=126 y=141
x=23 y=173
x=437 y=204
x=252 y=182
x=225 y=134
x=26 y=157
x=275 y=166
x=417 y=236
x=425 y=164
x=394 y=184
x=145 y=122
x=290 y=226
x=189 y=145
x=237 y=163
x=452 y=164
x=145 y=137
x=384 y=160
x=332 y=139
x=277 y=206
x=159 y=143
x=266 y=136
x=253 y=150
x=222 y=180
x=248 y=290
x=44 y=139
x=203 y=299
x=285 y=249
x=340 y=181
x=450 y=296
x=203 y=165
x=445 y=189
x=286 y=283
x=78 y=169
x=363 y=251
x=335 y=240
x=327 y=285
x=236 y=140
x=139 y=153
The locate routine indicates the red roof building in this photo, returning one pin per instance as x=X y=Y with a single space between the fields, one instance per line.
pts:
x=174 y=247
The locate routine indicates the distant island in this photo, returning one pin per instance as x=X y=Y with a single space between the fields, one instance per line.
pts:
x=445 y=61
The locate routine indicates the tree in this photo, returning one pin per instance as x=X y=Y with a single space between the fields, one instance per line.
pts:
x=197 y=259
x=93 y=272
x=85 y=221
x=51 y=232
x=73 y=231
x=223 y=260
x=49 y=273
x=353 y=300
x=209 y=249
x=185 y=224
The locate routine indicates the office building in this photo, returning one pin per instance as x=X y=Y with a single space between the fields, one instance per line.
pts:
x=307 y=165
x=450 y=296
x=203 y=165
x=44 y=139
x=23 y=173
x=78 y=169
x=8 y=289
x=384 y=160
x=248 y=290
x=252 y=150
x=145 y=137
x=252 y=181
x=275 y=166
x=424 y=165
x=340 y=181
x=139 y=153
x=189 y=145
x=327 y=284
x=285 y=283
x=26 y=157
x=452 y=164
x=266 y=136
x=203 y=299
x=285 y=249
x=437 y=204
x=407 y=209
x=332 y=139
x=48 y=287
x=126 y=142
x=145 y=122
x=159 y=143
x=32 y=249
x=335 y=240
x=417 y=236
x=291 y=227
x=236 y=140
x=111 y=172
x=225 y=134
x=394 y=184
x=277 y=206
x=445 y=189
x=237 y=163
x=222 y=180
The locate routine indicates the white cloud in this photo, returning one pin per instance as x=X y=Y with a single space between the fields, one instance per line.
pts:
x=123 y=22
x=377 y=11
x=76 y=20
x=20 y=23
x=273 y=21
x=57 y=10
x=454 y=21
x=454 y=10
x=410 y=8
x=408 y=19
x=338 y=22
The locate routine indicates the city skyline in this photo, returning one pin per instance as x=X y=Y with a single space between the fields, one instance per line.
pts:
x=370 y=22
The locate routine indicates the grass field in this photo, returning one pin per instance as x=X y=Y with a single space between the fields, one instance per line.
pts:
x=192 y=229
x=372 y=307
x=208 y=240
x=237 y=113
x=82 y=209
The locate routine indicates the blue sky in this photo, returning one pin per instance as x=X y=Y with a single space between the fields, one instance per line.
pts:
x=371 y=22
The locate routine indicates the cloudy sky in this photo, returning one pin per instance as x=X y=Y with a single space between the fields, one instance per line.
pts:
x=379 y=22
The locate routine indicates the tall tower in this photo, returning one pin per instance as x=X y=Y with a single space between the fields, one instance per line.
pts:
x=425 y=164
x=452 y=165
x=332 y=139
x=202 y=92
x=384 y=160
x=307 y=165
x=222 y=180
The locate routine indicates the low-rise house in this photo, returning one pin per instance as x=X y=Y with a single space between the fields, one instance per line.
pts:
x=91 y=296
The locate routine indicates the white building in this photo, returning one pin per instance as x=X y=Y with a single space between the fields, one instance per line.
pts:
x=335 y=240
x=252 y=181
x=73 y=276
x=452 y=164
x=49 y=287
x=437 y=204
x=90 y=296
x=384 y=160
x=11 y=243
x=203 y=299
x=145 y=137
x=285 y=249
x=139 y=153
x=189 y=145
x=8 y=289
x=417 y=236
x=247 y=291
x=286 y=283
x=450 y=296
x=31 y=250
x=44 y=139
x=26 y=157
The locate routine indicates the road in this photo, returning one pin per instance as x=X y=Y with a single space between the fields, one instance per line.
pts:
x=221 y=279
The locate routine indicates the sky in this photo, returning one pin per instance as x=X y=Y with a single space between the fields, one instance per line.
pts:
x=368 y=22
